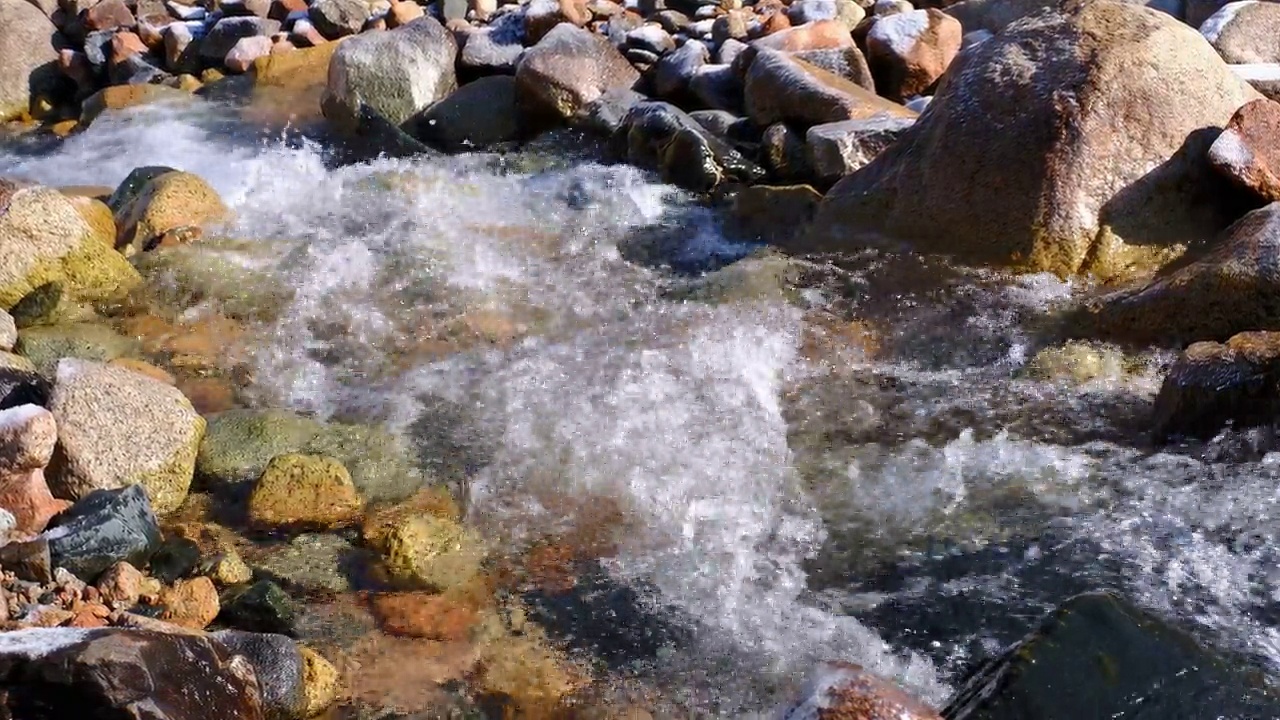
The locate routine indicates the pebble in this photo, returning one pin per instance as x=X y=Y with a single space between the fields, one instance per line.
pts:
x=190 y=603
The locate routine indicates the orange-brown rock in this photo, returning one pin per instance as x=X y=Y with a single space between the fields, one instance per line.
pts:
x=1214 y=384
x=424 y=615
x=818 y=35
x=304 y=491
x=543 y=15
x=780 y=88
x=1248 y=150
x=909 y=51
x=190 y=603
x=844 y=691
x=121 y=585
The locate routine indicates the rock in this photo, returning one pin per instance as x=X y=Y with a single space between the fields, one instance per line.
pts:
x=424 y=615
x=43 y=239
x=1265 y=78
x=174 y=559
x=255 y=8
x=101 y=529
x=1213 y=385
x=228 y=568
x=909 y=51
x=27 y=437
x=430 y=552
x=780 y=88
x=164 y=203
x=216 y=273
x=773 y=214
x=478 y=115
x=783 y=152
x=717 y=87
x=28 y=59
x=1245 y=151
x=720 y=123
x=493 y=49
x=821 y=35
x=605 y=114
x=38 y=306
x=121 y=585
x=339 y=18
x=311 y=563
x=109 y=15
x=1078 y=362
x=1245 y=32
x=261 y=607
x=319 y=682
x=673 y=72
x=134 y=674
x=21 y=385
x=304 y=491
x=1220 y=294
x=734 y=25
x=29 y=561
x=847 y=63
x=118 y=428
x=541 y=16
x=120 y=97
x=845 y=690
x=660 y=136
x=133 y=185
x=397 y=73
x=46 y=346
x=99 y=218
x=228 y=31
x=278 y=665
x=246 y=51
x=1092 y=211
x=190 y=603
x=839 y=149
x=567 y=69
x=651 y=38
x=1055 y=672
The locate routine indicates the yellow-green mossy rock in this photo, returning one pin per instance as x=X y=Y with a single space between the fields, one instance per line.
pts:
x=319 y=682
x=98 y=216
x=117 y=428
x=304 y=491
x=43 y=239
x=1078 y=362
x=431 y=552
x=45 y=345
x=219 y=271
x=167 y=202
x=119 y=97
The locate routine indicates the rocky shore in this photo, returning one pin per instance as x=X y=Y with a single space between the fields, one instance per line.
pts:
x=163 y=533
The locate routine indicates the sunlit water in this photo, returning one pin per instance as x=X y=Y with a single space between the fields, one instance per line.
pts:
x=912 y=513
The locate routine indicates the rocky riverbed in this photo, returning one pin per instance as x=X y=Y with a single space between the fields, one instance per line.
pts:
x=666 y=358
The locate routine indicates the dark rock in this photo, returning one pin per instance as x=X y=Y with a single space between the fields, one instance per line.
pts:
x=101 y=529
x=133 y=184
x=260 y=607
x=136 y=70
x=717 y=122
x=96 y=47
x=28 y=560
x=479 y=114
x=620 y=25
x=1099 y=657
x=845 y=690
x=123 y=674
x=36 y=306
x=22 y=387
x=174 y=559
x=651 y=38
x=228 y=31
x=717 y=87
x=729 y=51
x=671 y=75
x=784 y=153
x=453 y=10
x=245 y=8
x=673 y=21
x=494 y=49
x=338 y=18
x=773 y=214
x=278 y=666
x=662 y=137
x=605 y=114
x=1214 y=384
x=641 y=59
x=838 y=149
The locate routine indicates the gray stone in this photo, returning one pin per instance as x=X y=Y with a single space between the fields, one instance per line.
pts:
x=837 y=149
x=27 y=56
x=673 y=72
x=8 y=331
x=729 y=51
x=338 y=18
x=651 y=38
x=278 y=666
x=228 y=31
x=717 y=122
x=806 y=11
x=783 y=152
x=496 y=48
x=605 y=114
x=569 y=68
x=848 y=63
x=1245 y=32
x=478 y=115
x=717 y=87
x=101 y=529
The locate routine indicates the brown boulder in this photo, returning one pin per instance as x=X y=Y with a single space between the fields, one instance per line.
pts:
x=1248 y=150
x=190 y=603
x=780 y=88
x=569 y=68
x=109 y=15
x=304 y=491
x=27 y=56
x=818 y=35
x=909 y=51
x=1215 y=384
x=1020 y=161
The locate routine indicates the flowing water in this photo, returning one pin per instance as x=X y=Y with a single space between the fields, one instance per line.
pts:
x=817 y=459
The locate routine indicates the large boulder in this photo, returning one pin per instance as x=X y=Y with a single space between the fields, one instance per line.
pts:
x=660 y=136
x=1214 y=384
x=480 y=114
x=781 y=88
x=123 y=673
x=165 y=203
x=1245 y=32
x=1227 y=290
x=567 y=69
x=44 y=239
x=117 y=428
x=397 y=73
x=1020 y=161
x=27 y=56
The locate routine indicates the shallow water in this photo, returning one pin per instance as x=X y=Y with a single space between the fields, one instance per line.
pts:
x=912 y=503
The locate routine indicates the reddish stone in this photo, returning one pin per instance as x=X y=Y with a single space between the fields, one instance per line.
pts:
x=844 y=691
x=27 y=496
x=281 y=9
x=108 y=15
x=151 y=30
x=774 y=23
x=306 y=35
x=543 y=15
x=125 y=45
x=1248 y=150
x=820 y=35
x=909 y=51
x=246 y=50
x=423 y=615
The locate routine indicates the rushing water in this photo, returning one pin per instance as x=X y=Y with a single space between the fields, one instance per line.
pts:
x=787 y=497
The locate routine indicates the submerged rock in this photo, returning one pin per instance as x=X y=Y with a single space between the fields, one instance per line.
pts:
x=1019 y=162
x=103 y=528
x=46 y=346
x=304 y=491
x=1214 y=384
x=660 y=136
x=261 y=607
x=429 y=551
x=844 y=690
x=164 y=203
x=133 y=674
x=311 y=563
x=1097 y=656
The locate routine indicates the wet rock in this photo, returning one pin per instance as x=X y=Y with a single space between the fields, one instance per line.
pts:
x=101 y=529
x=304 y=491
x=43 y=239
x=38 y=306
x=1220 y=294
x=278 y=666
x=28 y=434
x=1246 y=149
x=118 y=428
x=120 y=97
x=909 y=51
x=479 y=114
x=783 y=152
x=339 y=18
x=717 y=87
x=493 y=49
x=1093 y=656
x=215 y=273
x=1212 y=385
x=1076 y=361
x=567 y=69
x=780 y=88
x=190 y=603
x=164 y=203
x=839 y=149
x=651 y=38
x=227 y=568
x=671 y=75
x=403 y=13
x=246 y=51
x=1245 y=32
x=175 y=558
x=845 y=690
x=774 y=214
x=27 y=56
x=121 y=585
x=261 y=607
x=311 y=563
x=225 y=33
x=109 y=15
x=1091 y=211
x=541 y=16
x=397 y=73
x=319 y=682
x=848 y=63
x=46 y=346
x=659 y=135
x=424 y=615
x=734 y=25
x=605 y=114
x=30 y=561
x=429 y=552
